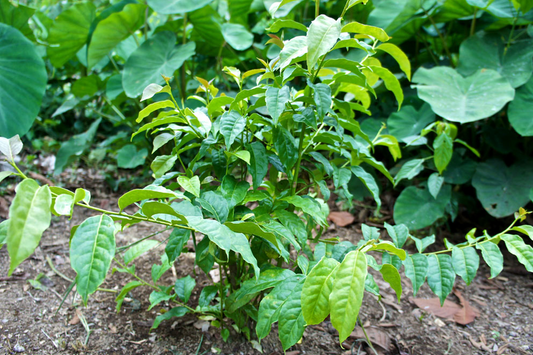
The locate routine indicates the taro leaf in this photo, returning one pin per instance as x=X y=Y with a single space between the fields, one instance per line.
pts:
x=521 y=110
x=128 y=157
x=86 y=86
x=416 y=268
x=191 y=185
x=176 y=241
x=441 y=275
x=92 y=249
x=521 y=250
x=317 y=289
x=493 y=257
x=392 y=277
x=155 y=57
x=276 y=99
x=114 y=86
x=174 y=312
x=291 y=323
x=23 y=81
x=397 y=19
x=347 y=293
x=465 y=263
x=206 y=24
x=258 y=166
x=321 y=37
x=124 y=292
x=460 y=170
x=114 y=29
x=215 y=204
x=409 y=170
x=398 y=233
x=184 y=288
x=435 y=182
x=70 y=32
x=17 y=16
x=463 y=100
x=232 y=124
x=139 y=249
x=416 y=208
x=29 y=217
x=489 y=51
x=502 y=190
x=171 y=7
x=237 y=36
x=408 y=123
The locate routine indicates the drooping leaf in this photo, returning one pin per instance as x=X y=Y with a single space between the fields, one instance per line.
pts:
x=162 y=164
x=369 y=181
x=258 y=166
x=184 y=287
x=409 y=170
x=124 y=292
x=91 y=250
x=376 y=32
x=174 y=312
x=441 y=275
x=391 y=82
x=321 y=37
x=176 y=241
x=309 y=206
x=416 y=268
x=435 y=182
x=392 y=277
x=143 y=194
x=399 y=56
x=316 y=291
x=291 y=321
x=521 y=250
x=252 y=228
x=139 y=249
x=465 y=263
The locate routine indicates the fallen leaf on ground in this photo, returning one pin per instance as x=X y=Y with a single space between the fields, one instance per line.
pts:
x=432 y=305
x=479 y=345
x=75 y=320
x=467 y=313
x=376 y=336
x=342 y=219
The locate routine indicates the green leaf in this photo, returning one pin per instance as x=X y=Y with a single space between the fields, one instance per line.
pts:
x=417 y=209
x=276 y=99
x=294 y=224
x=207 y=295
x=407 y=124
x=242 y=95
x=157 y=297
x=191 y=185
x=23 y=80
x=409 y=170
x=216 y=232
x=435 y=182
x=240 y=244
x=252 y=228
x=321 y=37
x=527 y=230
x=215 y=204
x=390 y=248
x=3 y=232
x=322 y=96
x=465 y=263
x=399 y=56
x=174 y=312
x=162 y=164
x=422 y=244
x=145 y=112
x=92 y=249
x=114 y=86
x=128 y=157
x=114 y=29
x=232 y=124
x=250 y=288
x=286 y=147
x=5 y=174
x=309 y=206
x=124 y=292
x=11 y=147
x=138 y=195
x=171 y=7
x=284 y=23
x=391 y=82
x=369 y=181
x=139 y=249
x=75 y=146
x=153 y=209
x=441 y=276
x=159 y=270
x=70 y=32
x=463 y=100
x=317 y=289
x=258 y=166
x=502 y=190
x=29 y=217
x=234 y=191
x=398 y=233
x=520 y=110
x=291 y=322
x=347 y=294
x=443 y=146
x=416 y=268
x=489 y=51
x=176 y=241
x=184 y=288
x=237 y=36
x=376 y=32
x=157 y=56
x=460 y=170
x=521 y=250
x=392 y=277
x=371 y=286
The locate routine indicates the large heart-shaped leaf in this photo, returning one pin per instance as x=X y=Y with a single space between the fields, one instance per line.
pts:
x=407 y=124
x=17 y=16
x=460 y=99
x=484 y=51
x=503 y=190
x=23 y=81
x=128 y=157
x=69 y=32
x=171 y=7
x=237 y=36
x=521 y=110
x=155 y=57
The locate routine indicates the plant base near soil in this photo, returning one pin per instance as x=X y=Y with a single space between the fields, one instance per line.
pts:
x=505 y=323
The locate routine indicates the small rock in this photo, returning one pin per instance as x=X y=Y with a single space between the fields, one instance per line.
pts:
x=18 y=348
x=4 y=321
x=513 y=334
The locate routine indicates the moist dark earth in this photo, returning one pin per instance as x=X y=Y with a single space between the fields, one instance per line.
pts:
x=29 y=323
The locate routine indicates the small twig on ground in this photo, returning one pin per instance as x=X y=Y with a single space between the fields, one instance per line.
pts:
x=53 y=342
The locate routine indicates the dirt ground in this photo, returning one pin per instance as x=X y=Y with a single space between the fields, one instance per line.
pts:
x=29 y=325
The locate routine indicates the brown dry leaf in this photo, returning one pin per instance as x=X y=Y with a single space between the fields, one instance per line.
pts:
x=376 y=336
x=432 y=305
x=479 y=345
x=342 y=219
x=467 y=314
x=75 y=320
x=4 y=209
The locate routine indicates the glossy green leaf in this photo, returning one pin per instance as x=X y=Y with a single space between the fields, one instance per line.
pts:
x=291 y=323
x=145 y=112
x=191 y=185
x=347 y=294
x=124 y=292
x=29 y=217
x=258 y=166
x=369 y=181
x=157 y=297
x=234 y=191
x=416 y=268
x=520 y=110
x=390 y=248
x=502 y=190
x=409 y=170
x=309 y=206
x=157 y=56
x=399 y=56
x=138 y=195
x=321 y=37
x=92 y=249
x=376 y=32
x=174 y=312
x=443 y=146
x=207 y=295
x=285 y=23
x=171 y=7
x=139 y=249
x=460 y=99
x=465 y=263
x=322 y=96
x=316 y=291
x=216 y=232
x=398 y=233
x=184 y=287
x=23 y=80
x=276 y=99
x=422 y=244
x=241 y=245
x=153 y=209
x=441 y=275
x=162 y=164
x=407 y=124
x=460 y=170
x=215 y=204
x=252 y=228
x=232 y=124
x=285 y=145
x=527 y=230
x=294 y=224
x=114 y=29
x=435 y=182
x=237 y=36
x=159 y=270
x=392 y=277
x=70 y=32
x=176 y=241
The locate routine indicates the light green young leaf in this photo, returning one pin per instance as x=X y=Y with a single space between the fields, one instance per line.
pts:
x=441 y=275
x=184 y=287
x=139 y=249
x=391 y=82
x=29 y=217
x=443 y=146
x=527 y=230
x=521 y=250
x=376 y=32
x=392 y=277
x=284 y=23
x=465 y=263
x=409 y=170
x=276 y=99
x=398 y=233
x=162 y=164
x=143 y=194
x=321 y=37
x=191 y=185
x=10 y=147
x=3 y=232
x=390 y=248
x=124 y=292
x=435 y=183
x=309 y=206
x=371 y=285
x=232 y=124
x=347 y=294
x=416 y=268
x=422 y=244
x=63 y=205
x=399 y=56
x=317 y=289
x=291 y=321
x=174 y=312
x=145 y=112
x=92 y=249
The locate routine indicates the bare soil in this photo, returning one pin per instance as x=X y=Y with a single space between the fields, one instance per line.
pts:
x=29 y=323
